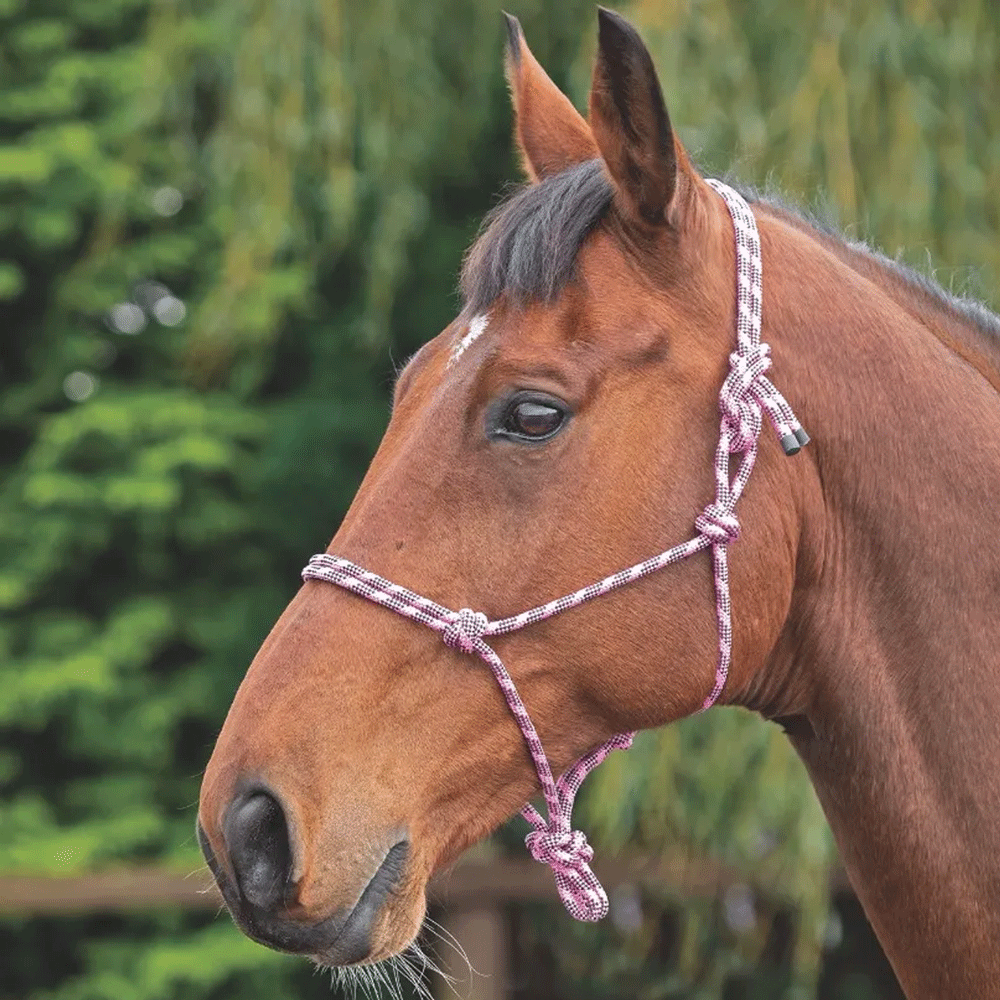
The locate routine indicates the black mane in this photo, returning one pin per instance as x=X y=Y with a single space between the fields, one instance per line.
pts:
x=971 y=310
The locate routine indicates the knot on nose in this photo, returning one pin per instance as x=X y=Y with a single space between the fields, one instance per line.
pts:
x=569 y=855
x=465 y=628
x=740 y=398
x=718 y=525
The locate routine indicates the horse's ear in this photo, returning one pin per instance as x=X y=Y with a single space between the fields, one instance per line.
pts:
x=551 y=134
x=630 y=124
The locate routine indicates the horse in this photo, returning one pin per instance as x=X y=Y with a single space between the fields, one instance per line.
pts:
x=565 y=425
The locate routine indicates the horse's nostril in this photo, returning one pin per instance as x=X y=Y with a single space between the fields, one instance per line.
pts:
x=257 y=838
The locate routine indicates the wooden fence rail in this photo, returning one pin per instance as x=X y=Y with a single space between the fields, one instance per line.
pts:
x=469 y=882
x=472 y=896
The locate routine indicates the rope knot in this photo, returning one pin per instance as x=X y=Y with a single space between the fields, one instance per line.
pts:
x=718 y=525
x=756 y=359
x=740 y=397
x=569 y=855
x=563 y=851
x=465 y=629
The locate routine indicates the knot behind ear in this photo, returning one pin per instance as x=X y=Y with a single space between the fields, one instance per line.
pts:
x=629 y=121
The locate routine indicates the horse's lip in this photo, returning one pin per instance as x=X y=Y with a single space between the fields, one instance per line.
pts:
x=342 y=938
x=353 y=943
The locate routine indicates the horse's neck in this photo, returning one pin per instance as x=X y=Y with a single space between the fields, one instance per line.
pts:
x=899 y=640
x=936 y=312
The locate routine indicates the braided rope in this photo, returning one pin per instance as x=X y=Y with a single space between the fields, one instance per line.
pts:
x=745 y=395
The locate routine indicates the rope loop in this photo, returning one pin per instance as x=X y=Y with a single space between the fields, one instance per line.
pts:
x=465 y=629
x=569 y=855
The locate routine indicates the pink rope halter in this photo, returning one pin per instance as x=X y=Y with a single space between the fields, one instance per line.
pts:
x=746 y=393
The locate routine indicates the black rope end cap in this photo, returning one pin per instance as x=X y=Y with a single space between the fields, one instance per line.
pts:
x=793 y=443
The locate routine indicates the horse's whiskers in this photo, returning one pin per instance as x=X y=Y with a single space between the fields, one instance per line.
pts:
x=387 y=978
x=447 y=938
x=427 y=965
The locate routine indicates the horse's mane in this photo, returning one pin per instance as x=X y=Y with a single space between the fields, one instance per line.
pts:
x=528 y=245
x=966 y=308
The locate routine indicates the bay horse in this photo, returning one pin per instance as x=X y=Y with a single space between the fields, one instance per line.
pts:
x=564 y=426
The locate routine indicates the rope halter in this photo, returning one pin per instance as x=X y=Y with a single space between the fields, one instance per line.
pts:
x=746 y=394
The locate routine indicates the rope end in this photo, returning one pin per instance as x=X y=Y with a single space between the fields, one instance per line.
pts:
x=794 y=442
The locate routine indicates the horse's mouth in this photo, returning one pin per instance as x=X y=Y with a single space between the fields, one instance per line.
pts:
x=345 y=937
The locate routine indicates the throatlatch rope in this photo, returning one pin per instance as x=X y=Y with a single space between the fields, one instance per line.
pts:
x=745 y=395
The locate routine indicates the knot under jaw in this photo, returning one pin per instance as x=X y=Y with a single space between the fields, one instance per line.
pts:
x=569 y=855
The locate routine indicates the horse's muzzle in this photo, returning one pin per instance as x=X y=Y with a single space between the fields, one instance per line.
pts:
x=260 y=893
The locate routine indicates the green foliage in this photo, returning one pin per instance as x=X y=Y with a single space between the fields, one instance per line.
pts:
x=887 y=112
x=221 y=224
x=210 y=214
x=721 y=788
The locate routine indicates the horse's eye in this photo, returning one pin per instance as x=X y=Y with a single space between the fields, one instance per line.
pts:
x=532 y=419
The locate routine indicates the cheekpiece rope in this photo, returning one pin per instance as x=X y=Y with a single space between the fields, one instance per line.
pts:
x=746 y=393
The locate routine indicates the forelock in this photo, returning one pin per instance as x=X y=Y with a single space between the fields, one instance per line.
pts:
x=528 y=245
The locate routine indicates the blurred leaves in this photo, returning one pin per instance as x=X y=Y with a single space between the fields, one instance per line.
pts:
x=886 y=114
x=724 y=786
x=209 y=211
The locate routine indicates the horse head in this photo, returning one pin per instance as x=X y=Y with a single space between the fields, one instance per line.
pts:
x=562 y=427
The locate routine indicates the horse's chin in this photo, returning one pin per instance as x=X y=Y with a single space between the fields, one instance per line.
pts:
x=394 y=931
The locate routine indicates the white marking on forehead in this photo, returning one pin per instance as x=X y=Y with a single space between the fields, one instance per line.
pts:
x=477 y=327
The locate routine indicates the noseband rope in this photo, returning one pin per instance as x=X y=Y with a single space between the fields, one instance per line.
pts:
x=745 y=395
